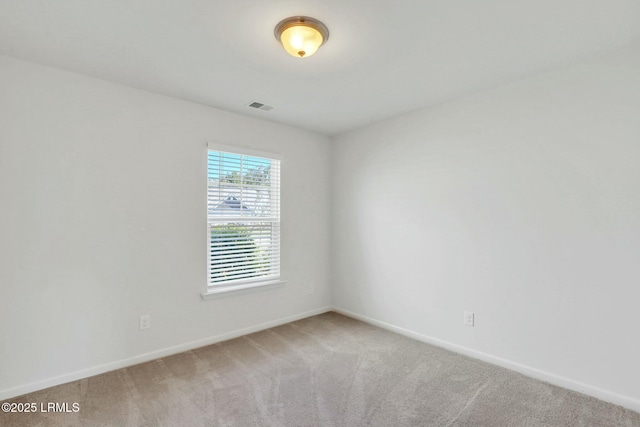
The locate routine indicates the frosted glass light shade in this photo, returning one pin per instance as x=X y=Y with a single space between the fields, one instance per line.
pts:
x=301 y=41
x=301 y=36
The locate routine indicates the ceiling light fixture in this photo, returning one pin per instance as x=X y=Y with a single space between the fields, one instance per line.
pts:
x=301 y=36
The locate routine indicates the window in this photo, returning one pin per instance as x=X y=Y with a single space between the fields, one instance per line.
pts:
x=243 y=216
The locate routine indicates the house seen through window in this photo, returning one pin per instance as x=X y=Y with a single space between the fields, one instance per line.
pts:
x=243 y=215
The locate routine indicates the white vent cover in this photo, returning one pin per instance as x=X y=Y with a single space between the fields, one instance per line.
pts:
x=260 y=106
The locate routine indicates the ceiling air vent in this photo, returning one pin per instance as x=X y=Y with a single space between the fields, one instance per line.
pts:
x=260 y=106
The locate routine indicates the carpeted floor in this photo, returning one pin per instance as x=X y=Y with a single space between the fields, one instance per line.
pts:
x=327 y=370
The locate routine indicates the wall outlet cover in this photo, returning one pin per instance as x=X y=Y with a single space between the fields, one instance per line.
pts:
x=469 y=318
x=145 y=321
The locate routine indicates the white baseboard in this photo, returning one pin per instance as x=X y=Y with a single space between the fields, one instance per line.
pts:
x=597 y=392
x=96 y=370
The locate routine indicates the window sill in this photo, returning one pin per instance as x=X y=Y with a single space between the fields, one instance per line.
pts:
x=224 y=291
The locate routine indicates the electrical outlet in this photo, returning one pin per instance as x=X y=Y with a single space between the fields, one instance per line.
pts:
x=311 y=288
x=468 y=318
x=145 y=321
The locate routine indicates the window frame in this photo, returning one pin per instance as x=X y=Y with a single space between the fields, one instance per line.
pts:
x=252 y=284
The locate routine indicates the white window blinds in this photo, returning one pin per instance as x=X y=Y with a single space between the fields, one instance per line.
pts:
x=243 y=212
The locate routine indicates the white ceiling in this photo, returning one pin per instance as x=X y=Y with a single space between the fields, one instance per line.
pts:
x=383 y=57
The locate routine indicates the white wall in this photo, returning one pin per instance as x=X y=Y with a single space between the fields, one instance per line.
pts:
x=521 y=204
x=103 y=218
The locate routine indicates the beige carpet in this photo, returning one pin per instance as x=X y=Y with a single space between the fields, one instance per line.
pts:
x=327 y=370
